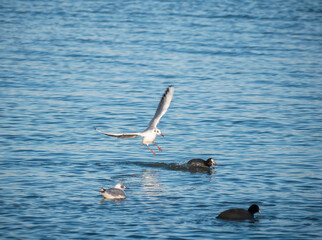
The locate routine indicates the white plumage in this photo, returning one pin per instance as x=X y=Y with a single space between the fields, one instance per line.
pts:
x=114 y=193
x=151 y=132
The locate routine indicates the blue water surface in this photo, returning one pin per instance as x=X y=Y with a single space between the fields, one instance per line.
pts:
x=248 y=93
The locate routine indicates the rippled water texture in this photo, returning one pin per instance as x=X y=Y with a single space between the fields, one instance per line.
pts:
x=247 y=78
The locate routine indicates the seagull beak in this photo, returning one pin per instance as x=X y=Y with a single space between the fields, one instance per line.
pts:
x=161 y=134
x=126 y=188
x=259 y=211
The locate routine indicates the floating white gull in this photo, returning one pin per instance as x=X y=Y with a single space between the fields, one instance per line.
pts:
x=114 y=193
x=151 y=132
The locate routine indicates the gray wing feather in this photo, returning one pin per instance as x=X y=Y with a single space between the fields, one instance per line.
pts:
x=115 y=192
x=163 y=107
x=120 y=135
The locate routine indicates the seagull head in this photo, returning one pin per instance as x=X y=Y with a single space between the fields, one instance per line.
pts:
x=120 y=186
x=158 y=132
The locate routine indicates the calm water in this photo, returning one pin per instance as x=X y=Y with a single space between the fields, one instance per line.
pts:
x=248 y=81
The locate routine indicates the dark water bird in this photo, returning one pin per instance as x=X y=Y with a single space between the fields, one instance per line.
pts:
x=240 y=214
x=201 y=163
x=114 y=193
x=151 y=132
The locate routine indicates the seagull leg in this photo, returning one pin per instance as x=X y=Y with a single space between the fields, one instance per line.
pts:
x=157 y=146
x=151 y=150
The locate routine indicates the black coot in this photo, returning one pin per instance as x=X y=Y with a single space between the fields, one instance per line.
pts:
x=239 y=214
x=201 y=163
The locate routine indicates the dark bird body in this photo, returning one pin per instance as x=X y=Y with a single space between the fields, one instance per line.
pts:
x=239 y=214
x=201 y=163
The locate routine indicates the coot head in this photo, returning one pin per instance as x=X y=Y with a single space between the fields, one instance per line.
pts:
x=210 y=162
x=254 y=209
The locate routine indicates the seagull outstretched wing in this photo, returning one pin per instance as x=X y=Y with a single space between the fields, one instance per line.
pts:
x=163 y=107
x=121 y=135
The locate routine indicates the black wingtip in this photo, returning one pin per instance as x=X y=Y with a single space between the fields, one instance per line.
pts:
x=166 y=91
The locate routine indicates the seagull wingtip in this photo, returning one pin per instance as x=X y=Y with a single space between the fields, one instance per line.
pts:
x=95 y=128
x=170 y=88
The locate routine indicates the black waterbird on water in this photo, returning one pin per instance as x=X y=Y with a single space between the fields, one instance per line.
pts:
x=201 y=163
x=239 y=214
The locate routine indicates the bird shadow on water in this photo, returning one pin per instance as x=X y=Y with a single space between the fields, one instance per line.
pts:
x=173 y=167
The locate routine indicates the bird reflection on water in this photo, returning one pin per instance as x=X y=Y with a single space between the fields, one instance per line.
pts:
x=150 y=184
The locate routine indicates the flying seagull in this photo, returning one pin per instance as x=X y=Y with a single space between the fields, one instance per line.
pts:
x=151 y=132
